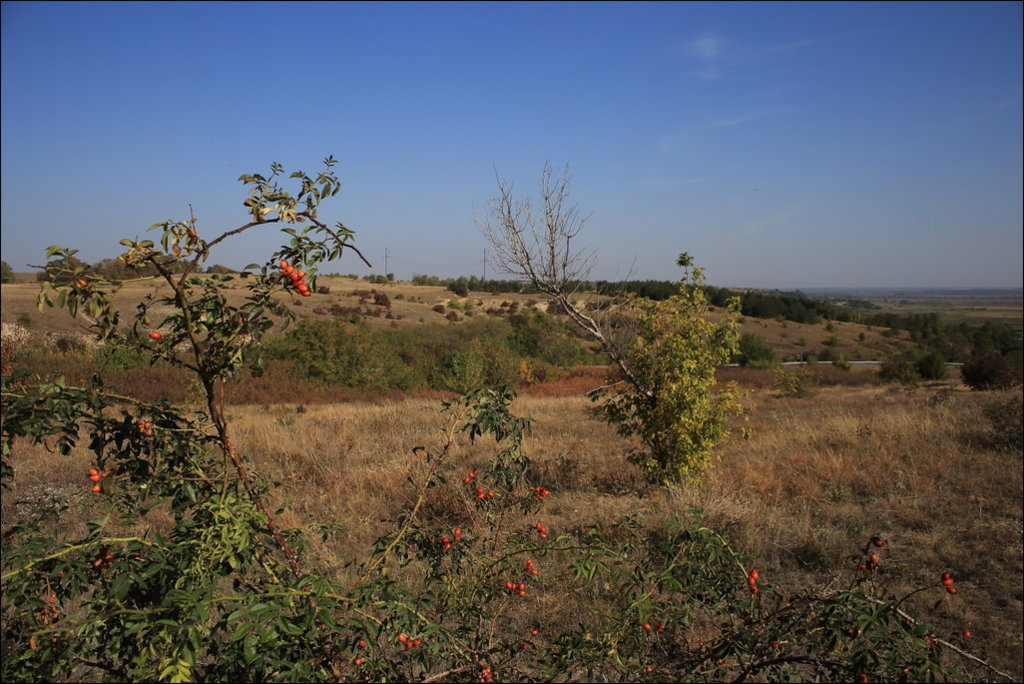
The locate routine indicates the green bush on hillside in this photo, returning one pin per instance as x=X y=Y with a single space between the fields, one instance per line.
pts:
x=754 y=352
x=459 y=358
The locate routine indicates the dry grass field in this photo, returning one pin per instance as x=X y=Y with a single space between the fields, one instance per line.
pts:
x=935 y=470
x=924 y=468
x=971 y=307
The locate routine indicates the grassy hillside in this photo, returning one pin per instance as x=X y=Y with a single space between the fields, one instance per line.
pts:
x=403 y=305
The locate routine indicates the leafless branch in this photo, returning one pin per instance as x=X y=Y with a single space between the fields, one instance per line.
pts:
x=535 y=243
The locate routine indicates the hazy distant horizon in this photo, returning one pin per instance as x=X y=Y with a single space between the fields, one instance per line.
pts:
x=849 y=290
x=783 y=145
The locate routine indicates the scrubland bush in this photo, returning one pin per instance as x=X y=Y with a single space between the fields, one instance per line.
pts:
x=899 y=368
x=754 y=352
x=989 y=370
x=797 y=383
x=931 y=366
x=537 y=335
x=120 y=356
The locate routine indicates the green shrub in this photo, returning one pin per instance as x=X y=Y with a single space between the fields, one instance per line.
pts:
x=538 y=335
x=335 y=351
x=899 y=368
x=671 y=403
x=460 y=287
x=797 y=383
x=484 y=362
x=755 y=352
x=119 y=356
x=931 y=366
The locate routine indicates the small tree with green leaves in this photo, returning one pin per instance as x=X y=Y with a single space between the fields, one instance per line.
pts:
x=6 y=273
x=674 y=353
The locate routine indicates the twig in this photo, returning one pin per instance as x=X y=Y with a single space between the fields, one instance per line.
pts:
x=441 y=675
x=340 y=240
x=948 y=645
x=750 y=669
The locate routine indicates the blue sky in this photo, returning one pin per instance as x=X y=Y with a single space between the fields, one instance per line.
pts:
x=784 y=145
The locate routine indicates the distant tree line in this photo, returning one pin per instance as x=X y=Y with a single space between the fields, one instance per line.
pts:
x=117 y=269
x=954 y=341
x=462 y=285
x=790 y=306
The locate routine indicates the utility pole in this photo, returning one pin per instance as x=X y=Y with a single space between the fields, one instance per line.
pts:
x=386 y=262
x=485 y=265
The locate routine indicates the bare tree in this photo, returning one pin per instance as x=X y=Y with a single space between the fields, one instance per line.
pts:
x=536 y=243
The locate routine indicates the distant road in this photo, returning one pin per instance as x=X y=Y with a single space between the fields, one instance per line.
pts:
x=858 y=364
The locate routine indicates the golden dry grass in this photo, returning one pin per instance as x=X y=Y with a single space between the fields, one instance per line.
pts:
x=817 y=479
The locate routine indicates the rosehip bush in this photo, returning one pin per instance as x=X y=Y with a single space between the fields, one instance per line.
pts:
x=483 y=588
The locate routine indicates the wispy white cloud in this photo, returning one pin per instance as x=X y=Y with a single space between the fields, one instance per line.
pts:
x=788 y=47
x=711 y=51
x=736 y=120
x=744 y=118
x=994 y=108
x=707 y=47
x=715 y=53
